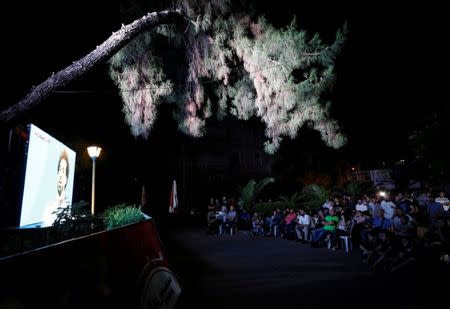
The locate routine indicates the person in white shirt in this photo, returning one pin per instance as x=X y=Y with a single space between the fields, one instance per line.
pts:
x=60 y=203
x=389 y=207
x=328 y=204
x=374 y=207
x=222 y=214
x=443 y=200
x=304 y=224
x=361 y=206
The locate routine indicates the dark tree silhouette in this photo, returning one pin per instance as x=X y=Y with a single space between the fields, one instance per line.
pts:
x=102 y=53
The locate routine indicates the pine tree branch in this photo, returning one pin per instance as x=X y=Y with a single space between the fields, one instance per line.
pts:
x=103 y=52
x=313 y=54
x=279 y=63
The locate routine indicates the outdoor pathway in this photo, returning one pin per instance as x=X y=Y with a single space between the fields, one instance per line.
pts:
x=223 y=271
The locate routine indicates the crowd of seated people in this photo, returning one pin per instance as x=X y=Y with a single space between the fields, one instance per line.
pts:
x=221 y=216
x=388 y=231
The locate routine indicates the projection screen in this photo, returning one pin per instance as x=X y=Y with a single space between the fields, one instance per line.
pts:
x=49 y=176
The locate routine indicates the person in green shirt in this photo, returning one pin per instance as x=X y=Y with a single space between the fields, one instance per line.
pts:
x=330 y=223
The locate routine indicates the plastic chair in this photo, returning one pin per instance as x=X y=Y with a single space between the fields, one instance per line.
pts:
x=276 y=230
x=233 y=227
x=311 y=230
x=346 y=241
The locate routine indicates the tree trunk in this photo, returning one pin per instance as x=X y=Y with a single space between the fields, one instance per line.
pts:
x=103 y=52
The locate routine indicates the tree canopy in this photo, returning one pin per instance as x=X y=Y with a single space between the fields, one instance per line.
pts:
x=234 y=64
x=223 y=61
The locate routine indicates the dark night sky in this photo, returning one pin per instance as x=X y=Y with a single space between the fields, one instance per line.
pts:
x=389 y=74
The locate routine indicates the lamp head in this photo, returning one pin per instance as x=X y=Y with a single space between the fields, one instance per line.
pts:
x=94 y=151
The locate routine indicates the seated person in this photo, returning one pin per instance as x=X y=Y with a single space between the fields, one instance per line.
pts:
x=245 y=220
x=368 y=246
x=230 y=218
x=404 y=228
x=330 y=224
x=211 y=211
x=289 y=224
x=383 y=250
x=220 y=220
x=231 y=214
x=343 y=228
x=257 y=225
x=304 y=223
x=222 y=214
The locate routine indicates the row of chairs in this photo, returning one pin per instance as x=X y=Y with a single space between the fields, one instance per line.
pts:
x=231 y=227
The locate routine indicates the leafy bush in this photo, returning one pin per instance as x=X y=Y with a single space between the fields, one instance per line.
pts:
x=358 y=188
x=292 y=201
x=122 y=214
x=251 y=190
x=313 y=196
x=266 y=209
x=75 y=221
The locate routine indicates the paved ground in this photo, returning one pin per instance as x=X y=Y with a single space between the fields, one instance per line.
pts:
x=223 y=271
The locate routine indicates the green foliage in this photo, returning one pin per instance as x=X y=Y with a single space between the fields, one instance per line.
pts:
x=251 y=190
x=247 y=195
x=75 y=221
x=270 y=56
x=292 y=201
x=71 y=222
x=283 y=202
x=267 y=208
x=142 y=84
x=358 y=188
x=313 y=196
x=122 y=214
x=242 y=65
x=262 y=184
x=243 y=97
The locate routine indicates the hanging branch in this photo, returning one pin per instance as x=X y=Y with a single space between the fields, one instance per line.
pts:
x=103 y=52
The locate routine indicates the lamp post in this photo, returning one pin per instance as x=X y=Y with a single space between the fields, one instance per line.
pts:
x=94 y=153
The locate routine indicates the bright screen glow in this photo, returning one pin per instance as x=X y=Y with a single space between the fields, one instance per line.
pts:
x=49 y=175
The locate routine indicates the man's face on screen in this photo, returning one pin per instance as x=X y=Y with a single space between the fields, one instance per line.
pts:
x=62 y=176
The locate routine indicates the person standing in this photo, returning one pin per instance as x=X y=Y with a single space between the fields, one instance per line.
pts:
x=211 y=211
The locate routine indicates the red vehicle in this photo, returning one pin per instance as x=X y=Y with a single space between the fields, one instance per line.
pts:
x=125 y=267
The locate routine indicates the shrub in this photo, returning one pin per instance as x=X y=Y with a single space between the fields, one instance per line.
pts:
x=122 y=214
x=251 y=190
x=358 y=188
x=266 y=209
x=313 y=196
x=75 y=221
x=290 y=202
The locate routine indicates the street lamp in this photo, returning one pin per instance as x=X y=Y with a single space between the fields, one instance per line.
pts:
x=94 y=153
